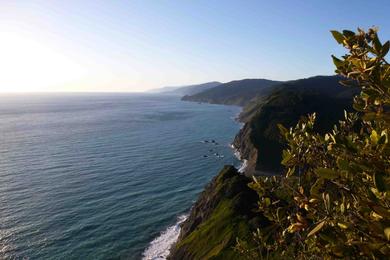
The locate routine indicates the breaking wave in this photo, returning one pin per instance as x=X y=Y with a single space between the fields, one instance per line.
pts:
x=159 y=248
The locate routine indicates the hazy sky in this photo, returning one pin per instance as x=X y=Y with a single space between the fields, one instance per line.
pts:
x=138 y=45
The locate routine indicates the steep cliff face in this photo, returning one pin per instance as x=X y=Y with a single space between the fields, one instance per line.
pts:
x=223 y=211
x=259 y=141
x=243 y=143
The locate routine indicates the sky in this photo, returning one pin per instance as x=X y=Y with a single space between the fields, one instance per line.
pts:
x=131 y=46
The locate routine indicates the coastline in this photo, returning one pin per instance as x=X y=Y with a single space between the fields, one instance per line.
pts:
x=160 y=247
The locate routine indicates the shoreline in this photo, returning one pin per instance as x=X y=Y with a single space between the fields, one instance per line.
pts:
x=159 y=248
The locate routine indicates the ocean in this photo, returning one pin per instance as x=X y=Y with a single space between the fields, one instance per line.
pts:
x=104 y=176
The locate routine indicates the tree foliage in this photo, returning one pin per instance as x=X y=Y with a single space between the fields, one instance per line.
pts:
x=334 y=199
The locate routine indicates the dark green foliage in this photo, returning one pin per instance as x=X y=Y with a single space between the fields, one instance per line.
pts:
x=334 y=200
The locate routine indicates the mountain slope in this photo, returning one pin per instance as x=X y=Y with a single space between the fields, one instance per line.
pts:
x=259 y=141
x=237 y=92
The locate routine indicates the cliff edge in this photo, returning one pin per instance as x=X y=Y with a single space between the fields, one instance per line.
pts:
x=223 y=212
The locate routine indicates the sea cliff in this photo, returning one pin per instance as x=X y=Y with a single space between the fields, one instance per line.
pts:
x=225 y=209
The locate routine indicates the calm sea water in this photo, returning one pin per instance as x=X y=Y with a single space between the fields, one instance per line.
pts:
x=101 y=176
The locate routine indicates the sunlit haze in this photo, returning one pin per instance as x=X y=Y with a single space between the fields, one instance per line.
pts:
x=126 y=46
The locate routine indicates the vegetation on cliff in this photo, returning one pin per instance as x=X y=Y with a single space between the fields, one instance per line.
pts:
x=334 y=200
x=223 y=211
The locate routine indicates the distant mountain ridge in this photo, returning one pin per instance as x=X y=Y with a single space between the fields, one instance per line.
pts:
x=186 y=90
x=238 y=92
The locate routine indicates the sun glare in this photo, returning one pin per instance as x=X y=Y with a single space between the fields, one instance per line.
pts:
x=28 y=64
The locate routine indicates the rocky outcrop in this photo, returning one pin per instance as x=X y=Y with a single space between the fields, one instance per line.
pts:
x=247 y=151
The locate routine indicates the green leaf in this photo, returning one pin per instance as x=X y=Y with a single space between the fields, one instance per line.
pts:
x=342 y=208
x=348 y=33
x=385 y=49
x=337 y=61
x=383 y=138
x=380 y=182
x=290 y=172
x=381 y=211
x=339 y=37
x=327 y=173
x=326 y=199
x=374 y=137
x=282 y=129
x=342 y=225
x=315 y=189
x=286 y=157
x=338 y=251
x=317 y=228
x=377 y=45
x=387 y=233
x=343 y=164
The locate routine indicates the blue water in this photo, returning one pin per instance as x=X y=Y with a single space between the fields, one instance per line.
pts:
x=99 y=176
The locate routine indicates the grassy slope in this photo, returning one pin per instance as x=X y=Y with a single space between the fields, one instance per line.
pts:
x=229 y=216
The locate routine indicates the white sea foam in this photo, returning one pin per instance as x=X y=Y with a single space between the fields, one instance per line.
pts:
x=238 y=155
x=243 y=166
x=236 y=152
x=244 y=163
x=160 y=246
